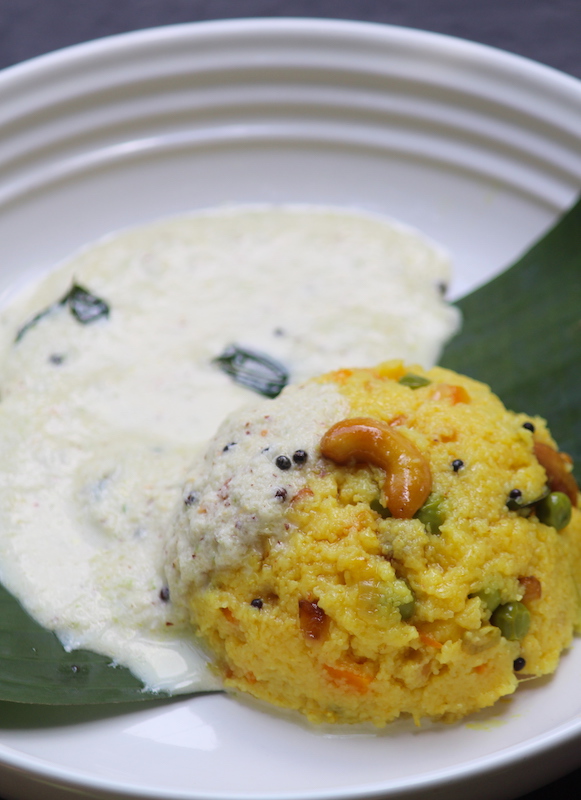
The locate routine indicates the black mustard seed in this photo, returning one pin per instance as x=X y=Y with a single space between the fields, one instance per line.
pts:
x=457 y=464
x=191 y=498
x=164 y=594
x=280 y=494
x=283 y=462
x=257 y=602
x=514 y=494
x=529 y=426
x=300 y=456
x=518 y=664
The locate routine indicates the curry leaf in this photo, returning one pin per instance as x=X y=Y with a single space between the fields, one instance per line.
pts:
x=522 y=334
x=256 y=371
x=83 y=305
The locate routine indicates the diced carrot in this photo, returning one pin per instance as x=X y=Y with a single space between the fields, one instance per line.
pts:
x=345 y=678
x=453 y=394
x=229 y=615
x=341 y=375
x=429 y=641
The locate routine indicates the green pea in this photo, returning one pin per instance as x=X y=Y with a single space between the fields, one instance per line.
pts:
x=555 y=510
x=407 y=606
x=513 y=620
x=379 y=600
x=413 y=381
x=376 y=506
x=490 y=597
x=407 y=610
x=431 y=514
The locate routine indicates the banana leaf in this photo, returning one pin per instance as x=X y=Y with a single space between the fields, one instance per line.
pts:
x=521 y=334
x=35 y=668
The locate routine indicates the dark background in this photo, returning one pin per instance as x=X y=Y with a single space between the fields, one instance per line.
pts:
x=548 y=31
x=545 y=30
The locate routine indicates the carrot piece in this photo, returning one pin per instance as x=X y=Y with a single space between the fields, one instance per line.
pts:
x=229 y=615
x=453 y=394
x=429 y=641
x=344 y=678
x=341 y=375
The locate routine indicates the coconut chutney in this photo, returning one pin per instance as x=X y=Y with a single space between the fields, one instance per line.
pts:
x=106 y=396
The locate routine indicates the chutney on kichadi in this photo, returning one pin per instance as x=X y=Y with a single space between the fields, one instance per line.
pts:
x=379 y=542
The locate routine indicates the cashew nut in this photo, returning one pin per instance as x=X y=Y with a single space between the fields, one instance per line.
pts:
x=555 y=465
x=408 y=481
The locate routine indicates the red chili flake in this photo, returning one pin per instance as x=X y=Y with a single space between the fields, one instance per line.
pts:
x=223 y=492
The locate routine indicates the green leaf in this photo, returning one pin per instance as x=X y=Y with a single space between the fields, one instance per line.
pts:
x=256 y=371
x=35 y=668
x=522 y=334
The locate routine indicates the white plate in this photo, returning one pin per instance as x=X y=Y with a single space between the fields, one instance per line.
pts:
x=478 y=148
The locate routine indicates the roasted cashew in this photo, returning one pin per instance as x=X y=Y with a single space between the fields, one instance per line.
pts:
x=408 y=481
x=558 y=476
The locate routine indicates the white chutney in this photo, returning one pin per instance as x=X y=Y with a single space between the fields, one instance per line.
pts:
x=100 y=421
